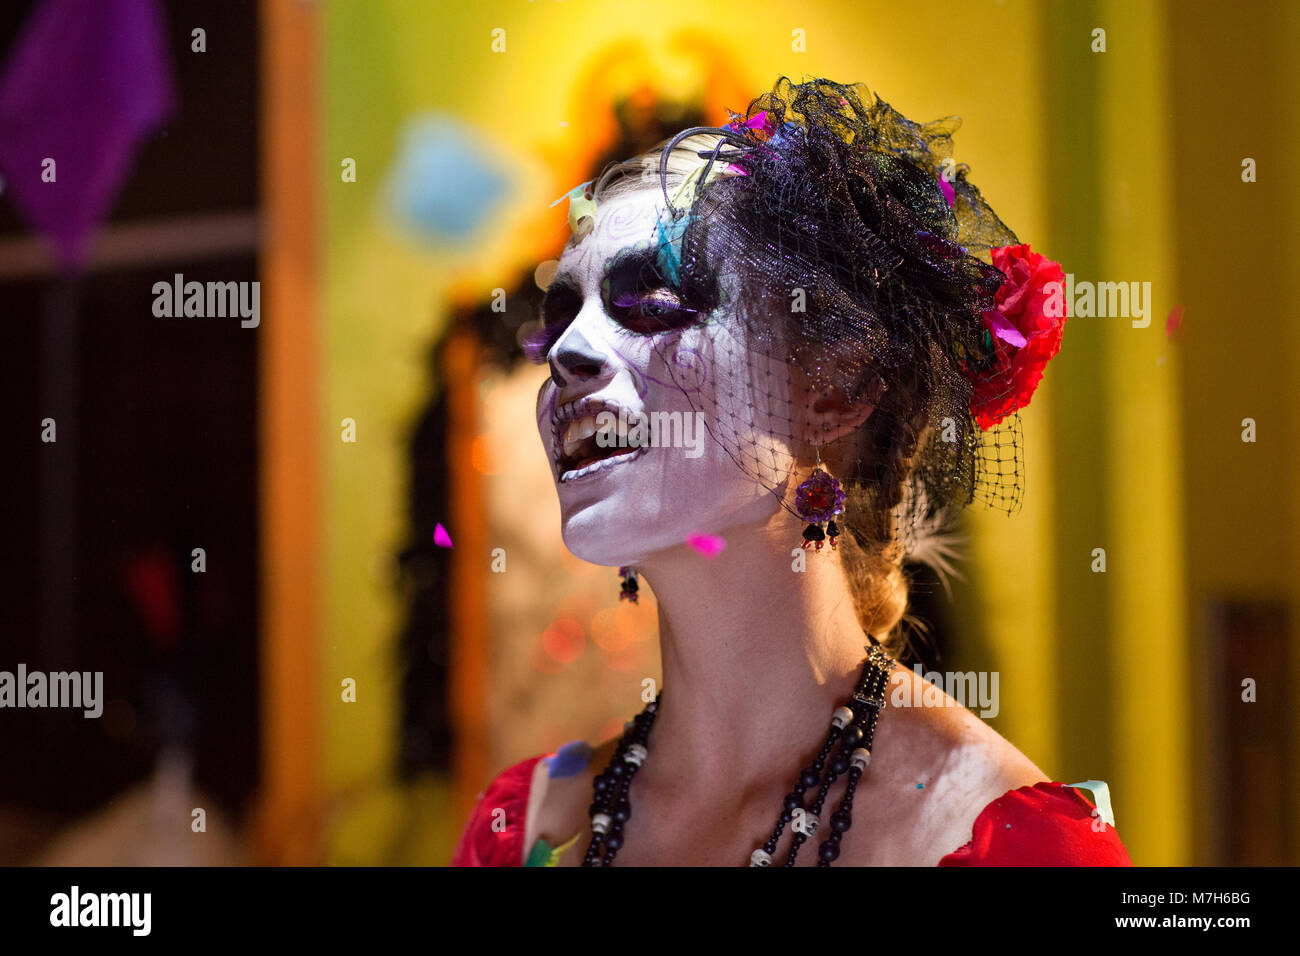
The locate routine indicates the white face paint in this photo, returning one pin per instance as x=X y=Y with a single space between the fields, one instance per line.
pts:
x=619 y=509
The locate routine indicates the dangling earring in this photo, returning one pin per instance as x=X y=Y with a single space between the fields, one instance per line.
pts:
x=818 y=500
x=628 y=574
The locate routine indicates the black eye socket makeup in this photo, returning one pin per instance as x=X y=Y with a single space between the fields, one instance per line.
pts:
x=640 y=298
x=560 y=304
x=635 y=294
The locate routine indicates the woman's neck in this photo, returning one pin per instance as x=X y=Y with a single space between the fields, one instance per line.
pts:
x=756 y=656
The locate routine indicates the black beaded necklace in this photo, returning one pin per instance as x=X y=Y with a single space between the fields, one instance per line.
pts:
x=853 y=725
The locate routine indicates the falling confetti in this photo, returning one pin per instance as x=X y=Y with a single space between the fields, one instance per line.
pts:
x=569 y=759
x=1174 y=324
x=709 y=545
x=441 y=538
x=949 y=193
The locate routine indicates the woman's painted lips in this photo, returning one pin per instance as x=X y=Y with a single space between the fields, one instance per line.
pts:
x=601 y=465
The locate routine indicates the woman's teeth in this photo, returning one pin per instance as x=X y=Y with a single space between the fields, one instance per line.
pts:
x=579 y=431
x=596 y=443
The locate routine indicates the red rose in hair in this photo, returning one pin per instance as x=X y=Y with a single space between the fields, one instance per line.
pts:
x=1025 y=328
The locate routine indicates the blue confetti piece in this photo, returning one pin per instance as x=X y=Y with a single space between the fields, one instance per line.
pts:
x=570 y=759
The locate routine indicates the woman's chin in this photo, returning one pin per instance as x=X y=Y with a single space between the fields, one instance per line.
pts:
x=598 y=534
x=625 y=527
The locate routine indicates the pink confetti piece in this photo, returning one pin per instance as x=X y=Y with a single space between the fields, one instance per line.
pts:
x=760 y=122
x=709 y=545
x=441 y=538
x=1174 y=324
x=1003 y=329
x=949 y=193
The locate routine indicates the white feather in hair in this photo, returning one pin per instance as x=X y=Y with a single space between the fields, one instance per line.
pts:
x=931 y=539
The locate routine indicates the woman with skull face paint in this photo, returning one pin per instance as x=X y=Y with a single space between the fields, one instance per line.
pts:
x=805 y=282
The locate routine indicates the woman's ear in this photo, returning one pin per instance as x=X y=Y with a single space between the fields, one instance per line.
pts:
x=833 y=414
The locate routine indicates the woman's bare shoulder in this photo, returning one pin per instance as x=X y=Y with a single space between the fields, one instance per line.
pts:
x=939 y=765
x=942 y=731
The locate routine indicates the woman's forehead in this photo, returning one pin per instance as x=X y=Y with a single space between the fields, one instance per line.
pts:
x=621 y=221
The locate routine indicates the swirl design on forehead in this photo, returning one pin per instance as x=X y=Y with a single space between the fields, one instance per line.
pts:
x=624 y=222
x=617 y=224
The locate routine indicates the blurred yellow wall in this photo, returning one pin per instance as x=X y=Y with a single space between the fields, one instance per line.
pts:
x=1235 y=93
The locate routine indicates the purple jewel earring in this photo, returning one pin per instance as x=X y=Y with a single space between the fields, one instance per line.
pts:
x=818 y=500
x=630 y=586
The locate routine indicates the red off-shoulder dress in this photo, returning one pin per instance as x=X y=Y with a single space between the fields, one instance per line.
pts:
x=1048 y=824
